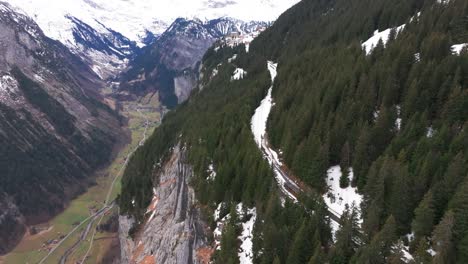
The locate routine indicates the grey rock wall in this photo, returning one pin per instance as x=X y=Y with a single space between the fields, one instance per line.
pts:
x=174 y=231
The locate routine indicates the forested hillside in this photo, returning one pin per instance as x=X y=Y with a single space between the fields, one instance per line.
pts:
x=394 y=114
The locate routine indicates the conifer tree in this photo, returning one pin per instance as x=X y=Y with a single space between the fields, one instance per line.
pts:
x=301 y=249
x=442 y=238
x=381 y=245
x=345 y=164
x=423 y=222
x=346 y=238
x=422 y=255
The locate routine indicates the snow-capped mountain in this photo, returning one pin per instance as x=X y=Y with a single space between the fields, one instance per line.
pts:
x=169 y=65
x=134 y=18
x=107 y=33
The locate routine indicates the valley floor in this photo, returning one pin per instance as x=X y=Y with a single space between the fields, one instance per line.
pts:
x=66 y=238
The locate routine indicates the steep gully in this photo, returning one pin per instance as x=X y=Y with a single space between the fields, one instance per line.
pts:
x=108 y=205
x=290 y=186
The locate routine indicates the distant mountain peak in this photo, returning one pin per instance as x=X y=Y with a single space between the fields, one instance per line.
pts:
x=133 y=18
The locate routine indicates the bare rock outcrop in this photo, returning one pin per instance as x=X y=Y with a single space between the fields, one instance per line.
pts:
x=174 y=231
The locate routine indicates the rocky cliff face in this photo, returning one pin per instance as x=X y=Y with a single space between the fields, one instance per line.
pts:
x=174 y=231
x=54 y=129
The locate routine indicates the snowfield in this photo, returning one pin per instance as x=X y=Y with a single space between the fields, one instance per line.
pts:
x=372 y=42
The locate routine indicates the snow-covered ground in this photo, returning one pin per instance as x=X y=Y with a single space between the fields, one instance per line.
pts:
x=245 y=253
x=372 y=42
x=337 y=198
x=260 y=118
x=232 y=58
x=258 y=126
x=398 y=120
x=457 y=49
x=417 y=57
x=211 y=172
x=430 y=132
x=443 y=1
x=238 y=74
x=133 y=18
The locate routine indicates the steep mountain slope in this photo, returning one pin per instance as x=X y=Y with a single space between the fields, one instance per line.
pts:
x=54 y=130
x=356 y=92
x=171 y=64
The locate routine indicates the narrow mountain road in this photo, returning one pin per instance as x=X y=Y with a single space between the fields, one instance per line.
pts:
x=289 y=186
x=99 y=214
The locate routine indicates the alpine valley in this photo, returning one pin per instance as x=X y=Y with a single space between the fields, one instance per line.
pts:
x=240 y=131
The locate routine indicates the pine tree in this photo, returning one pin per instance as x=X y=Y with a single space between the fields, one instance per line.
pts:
x=462 y=250
x=346 y=236
x=459 y=205
x=381 y=245
x=422 y=255
x=361 y=160
x=397 y=255
x=442 y=238
x=318 y=257
x=277 y=260
x=401 y=203
x=345 y=164
x=301 y=248
x=423 y=222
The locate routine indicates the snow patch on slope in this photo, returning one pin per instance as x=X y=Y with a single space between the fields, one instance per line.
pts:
x=458 y=48
x=443 y=2
x=372 y=42
x=337 y=198
x=238 y=74
x=245 y=251
x=246 y=254
x=260 y=118
x=211 y=172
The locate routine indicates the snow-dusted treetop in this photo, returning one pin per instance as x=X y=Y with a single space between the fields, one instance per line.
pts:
x=133 y=17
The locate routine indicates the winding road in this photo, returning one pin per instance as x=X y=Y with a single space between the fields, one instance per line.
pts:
x=99 y=214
